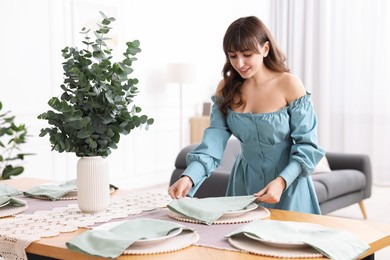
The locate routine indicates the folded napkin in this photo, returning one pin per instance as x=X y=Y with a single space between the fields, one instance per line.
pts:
x=113 y=242
x=333 y=243
x=6 y=193
x=51 y=190
x=7 y=190
x=208 y=210
x=11 y=201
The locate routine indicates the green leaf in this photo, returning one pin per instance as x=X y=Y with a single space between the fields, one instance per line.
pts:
x=127 y=62
x=116 y=137
x=143 y=119
x=9 y=171
x=136 y=121
x=82 y=134
x=106 y=21
x=113 y=145
x=92 y=144
x=78 y=123
x=102 y=14
x=102 y=143
x=101 y=42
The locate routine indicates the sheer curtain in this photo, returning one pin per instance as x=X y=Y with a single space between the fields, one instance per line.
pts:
x=340 y=49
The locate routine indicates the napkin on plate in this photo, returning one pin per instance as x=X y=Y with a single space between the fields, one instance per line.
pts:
x=53 y=191
x=7 y=190
x=333 y=243
x=113 y=242
x=6 y=193
x=208 y=210
x=5 y=200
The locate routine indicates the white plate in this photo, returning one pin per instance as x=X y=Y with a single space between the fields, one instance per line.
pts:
x=148 y=241
x=158 y=239
x=5 y=204
x=236 y=213
x=277 y=244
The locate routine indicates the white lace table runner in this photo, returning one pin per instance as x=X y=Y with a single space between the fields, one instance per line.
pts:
x=17 y=233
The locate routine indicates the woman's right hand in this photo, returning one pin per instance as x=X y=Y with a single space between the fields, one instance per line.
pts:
x=180 y=188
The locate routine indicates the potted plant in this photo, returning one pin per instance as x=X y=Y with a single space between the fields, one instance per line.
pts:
x=12 y=136
x=93 y=110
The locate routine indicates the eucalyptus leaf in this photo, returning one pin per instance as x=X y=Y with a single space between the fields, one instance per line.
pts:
x=106 y=21
x=11 y=171
x=12 y=136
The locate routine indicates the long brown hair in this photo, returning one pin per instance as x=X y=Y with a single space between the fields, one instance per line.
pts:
x=246 y=33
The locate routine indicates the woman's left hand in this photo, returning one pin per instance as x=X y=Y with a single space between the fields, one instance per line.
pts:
x=272 y=192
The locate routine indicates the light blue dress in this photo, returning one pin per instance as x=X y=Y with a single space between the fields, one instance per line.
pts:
x=282 y=143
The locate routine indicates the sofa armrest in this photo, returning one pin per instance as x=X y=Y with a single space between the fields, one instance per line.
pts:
x=216 y=184
x=213 y=186
x=180 y=162
x=360 y=162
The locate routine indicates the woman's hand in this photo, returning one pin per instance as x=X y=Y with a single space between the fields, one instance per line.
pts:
x=180 y=188
x=272 y=192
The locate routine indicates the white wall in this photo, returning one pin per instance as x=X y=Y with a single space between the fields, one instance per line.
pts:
x=169 y=31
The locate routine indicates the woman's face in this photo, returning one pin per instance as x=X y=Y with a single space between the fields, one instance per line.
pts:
x=247 y=62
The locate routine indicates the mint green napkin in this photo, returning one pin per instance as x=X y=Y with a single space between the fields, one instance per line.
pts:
x=113 y=242
x=52 y=191
x=7 y=190
x=12 y=201
x=208 y=210
x=6 y=193
x=333 y=243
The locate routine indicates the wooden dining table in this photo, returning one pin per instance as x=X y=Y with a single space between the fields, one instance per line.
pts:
x=376 y=234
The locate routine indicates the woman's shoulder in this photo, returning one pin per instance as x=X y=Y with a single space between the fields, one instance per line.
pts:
x=291 y=86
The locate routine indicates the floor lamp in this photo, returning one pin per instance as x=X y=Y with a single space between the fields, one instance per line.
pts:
x=181 y=73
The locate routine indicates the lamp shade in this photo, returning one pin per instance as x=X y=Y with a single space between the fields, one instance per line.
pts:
x=181 y=73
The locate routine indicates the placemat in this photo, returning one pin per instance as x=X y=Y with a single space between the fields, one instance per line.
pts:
x=185 y=239
x=248 y=245
x=258 y=214
x=9 y=210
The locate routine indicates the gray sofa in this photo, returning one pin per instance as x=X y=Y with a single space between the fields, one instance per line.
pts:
x=348 y=183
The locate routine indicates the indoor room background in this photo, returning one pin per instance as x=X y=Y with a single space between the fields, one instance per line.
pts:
x=338 y=48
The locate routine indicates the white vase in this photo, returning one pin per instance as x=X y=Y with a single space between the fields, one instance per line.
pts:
x=93 y=182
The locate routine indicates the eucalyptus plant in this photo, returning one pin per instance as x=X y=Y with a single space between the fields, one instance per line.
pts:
x=12 y=136
x=93 y=109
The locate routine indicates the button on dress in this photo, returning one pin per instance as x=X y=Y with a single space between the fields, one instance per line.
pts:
x=282 y=143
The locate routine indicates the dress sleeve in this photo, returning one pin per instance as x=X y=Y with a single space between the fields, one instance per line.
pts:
x=305 y=152
x=206 y=157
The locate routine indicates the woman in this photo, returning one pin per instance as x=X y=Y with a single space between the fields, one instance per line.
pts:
x=268 y=109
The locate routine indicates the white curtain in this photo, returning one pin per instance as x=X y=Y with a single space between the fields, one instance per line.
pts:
x=341 y=51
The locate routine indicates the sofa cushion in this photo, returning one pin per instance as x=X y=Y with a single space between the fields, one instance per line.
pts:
x=322 y=166
x=340 y=182
x=322 y=193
